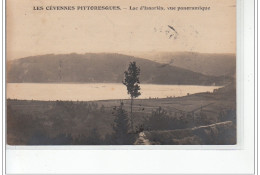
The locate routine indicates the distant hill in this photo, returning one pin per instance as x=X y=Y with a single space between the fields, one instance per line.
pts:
x=205 y=63
x=100 y=68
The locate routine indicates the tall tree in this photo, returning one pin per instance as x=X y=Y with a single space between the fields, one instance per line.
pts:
x=132 y=82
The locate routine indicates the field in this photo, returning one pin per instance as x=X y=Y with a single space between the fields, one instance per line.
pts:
x=93 y=122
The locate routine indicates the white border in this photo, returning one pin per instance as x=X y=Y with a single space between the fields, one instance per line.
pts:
x=157 y=161
x=2 y=131
x=257 y=105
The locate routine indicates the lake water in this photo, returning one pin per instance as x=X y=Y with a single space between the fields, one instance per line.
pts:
x=97 y=91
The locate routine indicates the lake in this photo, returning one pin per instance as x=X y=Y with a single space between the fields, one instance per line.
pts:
x=97 y=91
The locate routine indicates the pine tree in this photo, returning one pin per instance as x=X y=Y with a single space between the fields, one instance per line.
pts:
x=121 y=127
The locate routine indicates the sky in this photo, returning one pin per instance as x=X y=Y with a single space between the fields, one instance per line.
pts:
x=30 y=32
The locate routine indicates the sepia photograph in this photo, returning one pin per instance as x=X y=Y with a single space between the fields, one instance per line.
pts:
x=122 y=73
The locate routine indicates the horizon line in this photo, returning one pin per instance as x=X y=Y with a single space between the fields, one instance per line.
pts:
x=121 y=52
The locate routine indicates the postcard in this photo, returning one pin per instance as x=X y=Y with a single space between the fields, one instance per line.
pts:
x=122 y=72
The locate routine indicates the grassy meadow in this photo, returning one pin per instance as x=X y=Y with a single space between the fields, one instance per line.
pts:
x=192 y=119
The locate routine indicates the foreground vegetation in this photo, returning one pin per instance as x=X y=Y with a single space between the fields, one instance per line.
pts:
x=162 y=121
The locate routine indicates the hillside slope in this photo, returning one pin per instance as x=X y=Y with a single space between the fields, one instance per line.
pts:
x=205 y=63
x=223 y=133
x=99 y=68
